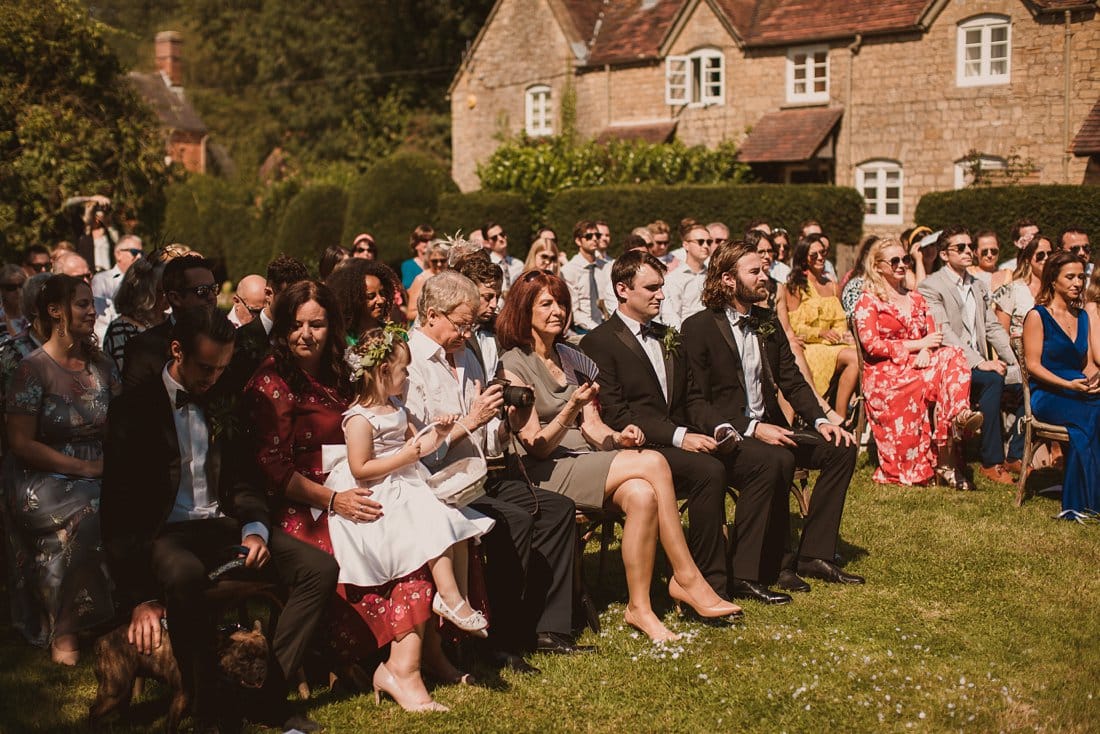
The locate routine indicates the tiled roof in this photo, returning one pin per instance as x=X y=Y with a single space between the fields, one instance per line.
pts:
x=789 y=135
x=651 y=132
x=632 y=30
x=1087 y=141
x=173 y=112
x=798 y=21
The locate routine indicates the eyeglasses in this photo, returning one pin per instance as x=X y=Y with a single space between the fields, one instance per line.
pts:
x=991 y=251
x=134 y=252
x=960 y=247
x=202 y=291
x=660 y=242
x=1040 y=256
x=703 y=242
x=10 y=287
x=466 y=329
x=1078 y=249
x=439 y=261
x=590 y=235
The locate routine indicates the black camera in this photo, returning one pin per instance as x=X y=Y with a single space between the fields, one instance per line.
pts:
x=516 y=396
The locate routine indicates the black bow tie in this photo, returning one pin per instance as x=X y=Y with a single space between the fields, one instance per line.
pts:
x=184 y=398
x=649 y=330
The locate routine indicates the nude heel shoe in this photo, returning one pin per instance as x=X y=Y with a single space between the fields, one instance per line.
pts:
x=715 y=611
x=385 y=682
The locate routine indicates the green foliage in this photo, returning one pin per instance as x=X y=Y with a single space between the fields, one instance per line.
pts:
x=839 y=209
x=394 y=196
x=210 y=215
x=467 y=212
x=70 y=125
x=314 y=219
x=1052 y=207
x=538 y=169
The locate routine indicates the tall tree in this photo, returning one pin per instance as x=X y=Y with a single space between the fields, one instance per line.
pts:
x=70 y=123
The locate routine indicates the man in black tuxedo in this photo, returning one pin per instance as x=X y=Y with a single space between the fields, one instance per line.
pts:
x=177 y=499
x=188 y=282
x=643 y=381
x=740 y=360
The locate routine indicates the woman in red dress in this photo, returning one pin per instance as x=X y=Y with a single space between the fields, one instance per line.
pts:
x=295 y=402
x=907 y=370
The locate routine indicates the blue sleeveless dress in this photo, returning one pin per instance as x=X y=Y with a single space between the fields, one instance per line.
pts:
x=1079 y=413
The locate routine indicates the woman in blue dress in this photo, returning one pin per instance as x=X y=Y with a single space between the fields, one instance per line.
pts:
x=1065 y=383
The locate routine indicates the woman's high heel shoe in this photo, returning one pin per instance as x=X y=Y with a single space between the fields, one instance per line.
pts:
x=715 y=611
x=474 y=623
x=384 y=682
x=966 y=423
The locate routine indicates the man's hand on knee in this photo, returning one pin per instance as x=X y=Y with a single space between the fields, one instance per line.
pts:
x=145 y=629
x=258 y=553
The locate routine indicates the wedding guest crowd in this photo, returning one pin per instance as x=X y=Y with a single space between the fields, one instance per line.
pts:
x=308 y=432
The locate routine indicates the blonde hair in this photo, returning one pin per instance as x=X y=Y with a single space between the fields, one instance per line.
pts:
x=538 y=246
x=1092 y=292
x=368 y=378
x=873 y=282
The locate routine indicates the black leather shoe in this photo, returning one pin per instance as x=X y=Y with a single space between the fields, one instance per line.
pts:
x=515 y=663
x=817 y=568
x=789 y=581
x=555 y=643
x=755 y=591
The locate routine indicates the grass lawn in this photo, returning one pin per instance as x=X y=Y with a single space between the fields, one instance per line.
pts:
x=976 y=616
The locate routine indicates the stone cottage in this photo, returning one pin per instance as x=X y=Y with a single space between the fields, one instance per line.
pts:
x=894 y=98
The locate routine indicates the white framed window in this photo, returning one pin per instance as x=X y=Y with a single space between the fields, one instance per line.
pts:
x=984 y=51
x=984 y=167
x=880 y=182
x=696 y=79
x=808 y=74
x=537 y=109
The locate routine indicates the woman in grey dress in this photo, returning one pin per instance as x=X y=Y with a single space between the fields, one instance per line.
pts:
x=56 y=415
x=569 y=449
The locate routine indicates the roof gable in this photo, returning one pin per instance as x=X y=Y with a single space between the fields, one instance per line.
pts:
x=173 y=111
x=632 y=30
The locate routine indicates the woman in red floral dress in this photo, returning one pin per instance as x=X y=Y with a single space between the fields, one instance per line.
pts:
x=907 y=370
x=295 y=402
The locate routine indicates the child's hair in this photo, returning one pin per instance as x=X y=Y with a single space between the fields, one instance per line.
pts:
x=368 y=354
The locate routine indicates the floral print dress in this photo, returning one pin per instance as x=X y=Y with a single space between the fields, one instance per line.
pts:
x=290 y=429
x=898 y=394
x=56 y=515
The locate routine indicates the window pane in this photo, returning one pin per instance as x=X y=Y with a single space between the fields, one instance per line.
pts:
x=973 y=36
x=893 y=193
x=998 y=34
x=820 y=86
x=893 y=207
x=799 y=60
x=998 y=68
x=800 y=72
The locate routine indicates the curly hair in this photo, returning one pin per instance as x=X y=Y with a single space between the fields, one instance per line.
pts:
x=283 y=271
x=334 y=371
x=348 y=285
x=717 y=294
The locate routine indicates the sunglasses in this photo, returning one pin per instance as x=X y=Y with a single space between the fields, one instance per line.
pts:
x=10 y=287
x=501 y=236
x=134 y=252
x=817 y=255
x=590 y=235
x=202 y=291
x=39 y=267
x=703 y=242
x=961 y=247
x=366 y=248
x=897 y=260
x=1040 y=256
x=440 y=261
x=991 y=251
x=1078 y=249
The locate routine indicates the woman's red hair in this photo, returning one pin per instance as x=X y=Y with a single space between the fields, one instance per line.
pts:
x=514 y=321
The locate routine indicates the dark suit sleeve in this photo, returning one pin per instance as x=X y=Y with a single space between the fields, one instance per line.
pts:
x=244 y=495
x=617 y=411
x=696 y=345
x=139 y=363
x=128 y=508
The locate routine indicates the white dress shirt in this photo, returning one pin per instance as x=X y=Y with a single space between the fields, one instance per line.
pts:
x=655 y=352
x=683 y=290
x=748 y=345
x=575 y=275
x=490 y=353
x=195 y=500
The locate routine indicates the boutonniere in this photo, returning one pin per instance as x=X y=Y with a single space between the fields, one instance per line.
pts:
x=221 y=416
x=763 y=328
x=671 y=339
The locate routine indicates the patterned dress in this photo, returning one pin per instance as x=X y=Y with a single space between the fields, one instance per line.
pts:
x=815 y=314
x=898 y=394
x=290 y=429
x=57 y=516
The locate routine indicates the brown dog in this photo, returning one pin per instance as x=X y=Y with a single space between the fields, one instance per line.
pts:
x=242 y=659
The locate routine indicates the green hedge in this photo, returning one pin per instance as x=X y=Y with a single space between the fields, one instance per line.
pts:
x=393 y=197
x=839 y=209
x=314 y=220
x=1052 y=207
x=210 y=215
x=467 y=212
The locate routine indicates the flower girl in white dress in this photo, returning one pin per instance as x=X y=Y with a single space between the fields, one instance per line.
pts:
x=383 y=455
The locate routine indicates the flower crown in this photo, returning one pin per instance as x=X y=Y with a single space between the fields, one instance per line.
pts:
x=363 y=355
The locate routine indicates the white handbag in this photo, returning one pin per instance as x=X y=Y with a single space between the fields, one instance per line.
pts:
x=462 y=481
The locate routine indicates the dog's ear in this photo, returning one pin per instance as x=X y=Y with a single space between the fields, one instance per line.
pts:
x=257 y=627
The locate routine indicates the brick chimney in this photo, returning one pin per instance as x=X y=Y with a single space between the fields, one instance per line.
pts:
x=169 y=45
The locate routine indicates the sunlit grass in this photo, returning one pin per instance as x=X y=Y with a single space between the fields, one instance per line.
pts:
x=976 y=616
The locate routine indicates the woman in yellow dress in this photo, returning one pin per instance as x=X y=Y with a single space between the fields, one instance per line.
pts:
x=810 y=311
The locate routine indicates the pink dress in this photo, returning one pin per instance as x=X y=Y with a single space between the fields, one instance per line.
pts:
x=898 y=394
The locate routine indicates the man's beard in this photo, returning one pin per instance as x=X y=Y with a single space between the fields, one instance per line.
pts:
x=746 y=294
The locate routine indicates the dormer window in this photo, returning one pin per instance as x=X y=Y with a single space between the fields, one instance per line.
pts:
x=808 y=74
x=696 y=80
x=984 y=51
